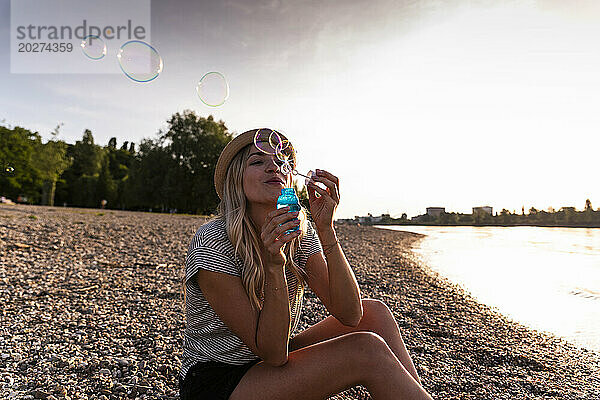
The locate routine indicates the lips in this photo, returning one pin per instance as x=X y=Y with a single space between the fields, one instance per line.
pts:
x=275 y=180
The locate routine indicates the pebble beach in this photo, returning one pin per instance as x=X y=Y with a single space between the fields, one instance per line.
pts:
x=92 y=309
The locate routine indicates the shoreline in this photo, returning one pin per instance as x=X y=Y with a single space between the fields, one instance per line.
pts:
x=536 y=290
x=92 y=309
x=489 y=225
x=464 y=349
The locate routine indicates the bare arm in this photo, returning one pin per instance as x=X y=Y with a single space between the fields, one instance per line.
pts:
x=333 y=281
x=273 y=330
x=266 y=332
x=337 y=286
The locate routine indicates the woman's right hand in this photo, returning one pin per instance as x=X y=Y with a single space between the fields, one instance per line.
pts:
x=274 y=237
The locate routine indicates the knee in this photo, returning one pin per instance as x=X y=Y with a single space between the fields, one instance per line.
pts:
x=368 y=348
x=365 y=342
x=376 y=310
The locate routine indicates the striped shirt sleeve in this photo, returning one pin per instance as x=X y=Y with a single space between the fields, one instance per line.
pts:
x=203 y=255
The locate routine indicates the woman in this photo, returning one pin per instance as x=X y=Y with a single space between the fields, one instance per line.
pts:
x=245 y=272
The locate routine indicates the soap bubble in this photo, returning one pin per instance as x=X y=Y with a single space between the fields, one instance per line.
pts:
x=271 y=142
x=139 y=61
x=213 y=89
x=285 y=153
x=93 y=47
x=267 y=140
x=284 y=150
x=285 y=168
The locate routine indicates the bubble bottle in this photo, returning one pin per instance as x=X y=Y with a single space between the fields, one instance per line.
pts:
x=288 y=198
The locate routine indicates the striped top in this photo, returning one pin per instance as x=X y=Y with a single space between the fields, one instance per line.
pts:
x=206 y=337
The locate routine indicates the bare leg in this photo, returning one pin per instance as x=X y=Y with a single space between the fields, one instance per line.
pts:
x=329 y=367
x=377 y=318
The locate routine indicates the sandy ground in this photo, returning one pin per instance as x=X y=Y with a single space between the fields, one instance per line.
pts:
x=91 y=308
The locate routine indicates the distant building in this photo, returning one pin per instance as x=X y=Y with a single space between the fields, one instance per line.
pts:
x=345 y=221
x=483 y=210
x=435 y=211
x=363 y=219
x=369 y=219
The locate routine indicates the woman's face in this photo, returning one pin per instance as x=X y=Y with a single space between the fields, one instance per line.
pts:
x=262 y=179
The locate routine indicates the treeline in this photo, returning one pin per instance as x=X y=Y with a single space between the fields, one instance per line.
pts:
x=565 y=216
x=172 y=172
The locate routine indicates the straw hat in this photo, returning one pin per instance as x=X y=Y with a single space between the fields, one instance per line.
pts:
x=232 y=148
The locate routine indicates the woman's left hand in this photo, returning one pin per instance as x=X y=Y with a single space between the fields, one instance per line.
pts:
x=323 y=207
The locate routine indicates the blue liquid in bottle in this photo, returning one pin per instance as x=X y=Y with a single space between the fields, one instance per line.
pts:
x=288 y=198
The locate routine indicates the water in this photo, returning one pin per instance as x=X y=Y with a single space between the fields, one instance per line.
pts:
x=545 y=278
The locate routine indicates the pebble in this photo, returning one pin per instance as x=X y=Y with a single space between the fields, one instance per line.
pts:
x=123 y=362
x=38 y=394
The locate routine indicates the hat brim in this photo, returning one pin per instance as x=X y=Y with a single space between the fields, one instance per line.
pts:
x=230 y=150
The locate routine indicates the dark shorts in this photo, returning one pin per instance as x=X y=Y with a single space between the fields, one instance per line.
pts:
x=212 y=380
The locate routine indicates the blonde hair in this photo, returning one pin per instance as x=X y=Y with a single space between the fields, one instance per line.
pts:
x=245 y=236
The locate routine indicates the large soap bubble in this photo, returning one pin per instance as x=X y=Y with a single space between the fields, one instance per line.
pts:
x=267 y=140
x=213 y=89
x=139 y=61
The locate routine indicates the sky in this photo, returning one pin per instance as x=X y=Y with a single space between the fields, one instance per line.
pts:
x=411 y=104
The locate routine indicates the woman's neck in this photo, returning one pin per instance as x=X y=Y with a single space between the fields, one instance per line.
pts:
x=258 y=212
